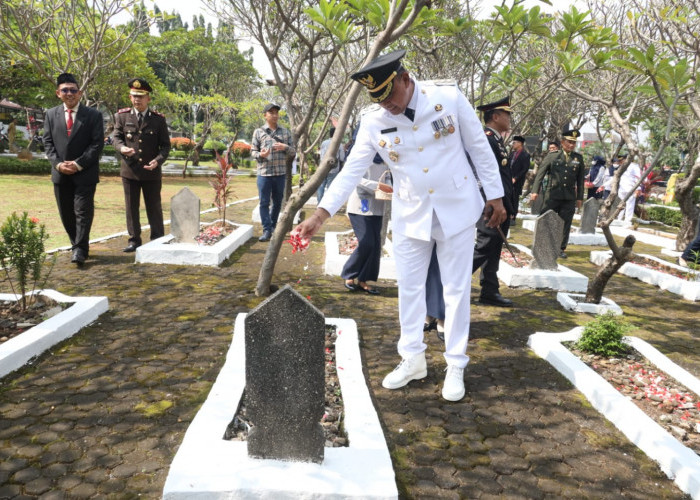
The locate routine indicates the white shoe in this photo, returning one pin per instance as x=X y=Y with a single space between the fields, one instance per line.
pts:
x=409 y=369
x=453 y=390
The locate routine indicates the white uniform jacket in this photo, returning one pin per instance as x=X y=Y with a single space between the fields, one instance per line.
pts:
x=428 y=163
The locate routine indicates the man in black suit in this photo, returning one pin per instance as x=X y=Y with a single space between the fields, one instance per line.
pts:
x=519 y=165
x=487 y=252
x=73 y=139
x=141 y=137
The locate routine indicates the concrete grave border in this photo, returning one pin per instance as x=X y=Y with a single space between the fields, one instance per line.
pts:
x=677 y=461
x=161 y=252
x=334 y=262
x=563 y=279
x=19 y=350
x=207 y=466
x=689 y=290
x=572 y=302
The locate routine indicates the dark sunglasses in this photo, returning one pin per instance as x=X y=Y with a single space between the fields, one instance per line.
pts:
x=70 y=90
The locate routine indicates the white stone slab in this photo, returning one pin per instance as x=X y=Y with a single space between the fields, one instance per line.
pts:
x=689 y=290
x=575 y=238
x=671 y=253
x=335 y=261
x=574 y=302
x=208 y=467
x=677 y=461
x=161 y=252
x=562 y=279
x=17 y=351
x=644 y=237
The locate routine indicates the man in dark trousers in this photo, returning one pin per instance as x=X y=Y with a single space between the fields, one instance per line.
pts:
x=564 y=191
x=73 y=139
x=141 y=137
x=519 y=165
x=489 y=242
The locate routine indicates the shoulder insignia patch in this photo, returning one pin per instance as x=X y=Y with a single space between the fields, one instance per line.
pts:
x=448 y=82
x=158 y=114
x=488 y=132
x=124 y=110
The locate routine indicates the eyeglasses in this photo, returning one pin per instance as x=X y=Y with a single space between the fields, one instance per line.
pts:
x=70 y=90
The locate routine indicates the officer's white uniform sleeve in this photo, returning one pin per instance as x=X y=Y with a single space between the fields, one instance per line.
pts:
x=477 y=145
x=358 y=162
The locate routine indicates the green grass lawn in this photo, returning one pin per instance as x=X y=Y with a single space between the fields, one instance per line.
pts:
x=34 y=194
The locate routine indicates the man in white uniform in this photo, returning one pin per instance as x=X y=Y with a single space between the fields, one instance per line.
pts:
x=421 y=130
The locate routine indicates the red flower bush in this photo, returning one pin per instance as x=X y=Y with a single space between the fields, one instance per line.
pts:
x=241 y=149
x=181 y=143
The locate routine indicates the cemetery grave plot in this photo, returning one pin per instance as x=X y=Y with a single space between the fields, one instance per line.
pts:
x=673 y=406
x=14 y=321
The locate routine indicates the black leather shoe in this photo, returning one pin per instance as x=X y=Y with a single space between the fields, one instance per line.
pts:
x=430 y=326
x=78 y=257
x=563 y=255
x=495 y=299
x=265 y=236
x=131 y=248
x=440 y=335
x=351 y=286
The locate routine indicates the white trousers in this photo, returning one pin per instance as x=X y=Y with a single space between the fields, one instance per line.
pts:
x=412 y=260
x=628 y=212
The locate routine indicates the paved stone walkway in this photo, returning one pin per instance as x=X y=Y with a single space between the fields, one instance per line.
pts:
x=102 y=414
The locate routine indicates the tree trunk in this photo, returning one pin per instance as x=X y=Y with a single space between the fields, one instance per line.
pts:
x=684 y=197
x=597 y=285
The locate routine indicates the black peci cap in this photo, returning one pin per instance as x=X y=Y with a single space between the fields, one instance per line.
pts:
x=519 y=138
x=378 y=76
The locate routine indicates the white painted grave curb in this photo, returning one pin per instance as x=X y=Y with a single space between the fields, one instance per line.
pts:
x=677 y=461
x=573 y=302
x=334 y=261
x=17 y=351
x=161 y=252
x=208 y=467
x=689 y=290
x=563 y=279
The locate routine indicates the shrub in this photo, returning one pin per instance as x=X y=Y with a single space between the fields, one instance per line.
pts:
x=22 y=252
x=182 y=143
x=241 y=149
x=666 y=216
x=603 y=336
x=109 y=151
x=213 y=144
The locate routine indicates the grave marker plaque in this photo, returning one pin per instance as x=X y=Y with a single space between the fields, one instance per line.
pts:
x=589 y=216
x=549 y=228
x=184 y=216
x=285 y=378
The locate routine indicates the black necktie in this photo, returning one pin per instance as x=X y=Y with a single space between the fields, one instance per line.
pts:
x=140 y=119
x=410 y=113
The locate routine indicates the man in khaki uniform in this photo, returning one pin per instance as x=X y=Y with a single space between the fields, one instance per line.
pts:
x=141 y=137
x=564 y=192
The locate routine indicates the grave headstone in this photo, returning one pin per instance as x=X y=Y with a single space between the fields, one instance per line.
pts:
x=546 y=245
x=589 y=216
x=285 y=378
x=184 y=216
